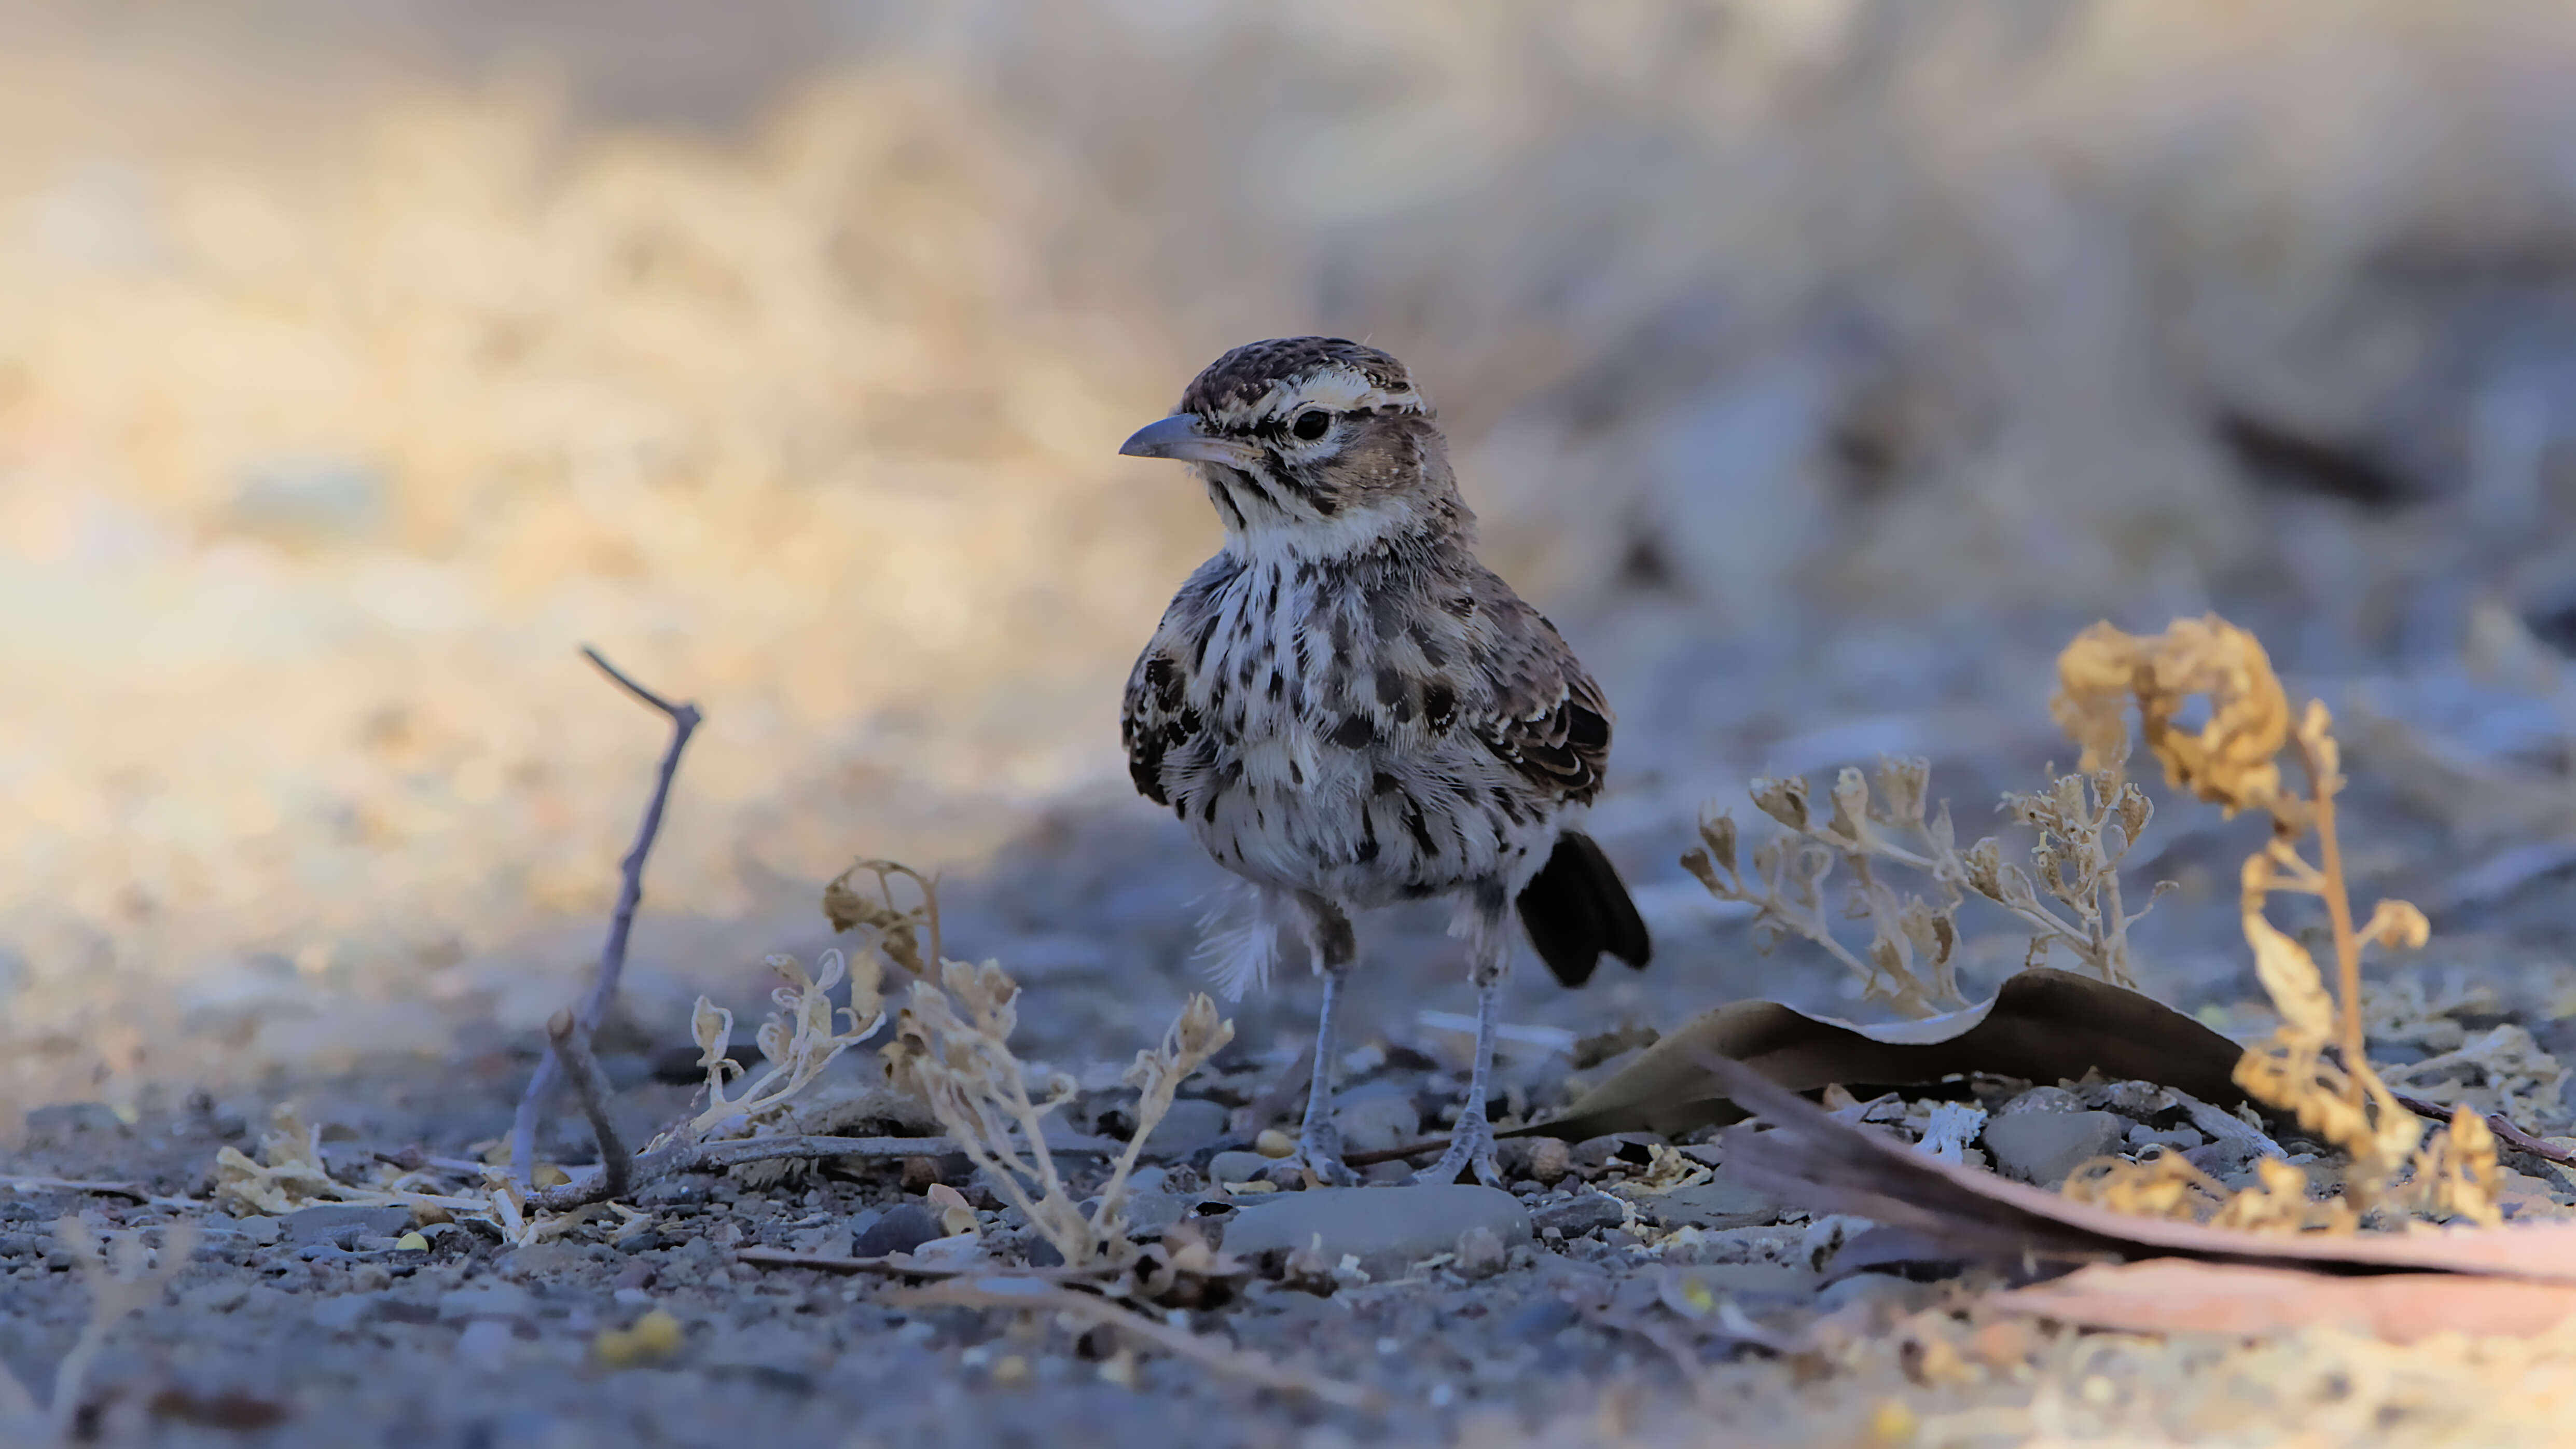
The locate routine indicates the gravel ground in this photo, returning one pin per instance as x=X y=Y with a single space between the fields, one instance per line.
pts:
x=1820 y=368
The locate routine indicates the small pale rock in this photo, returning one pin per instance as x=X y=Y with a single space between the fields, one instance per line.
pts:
x=1580 y=1214
x=831 y=1240
x=2041 y=1099
x=1479 y=1253
x=1388 y=1229
x=2042 y=1147
x=1233 y=1167
x=262 y=1231
x=1550 y=1160
x=341 y=1224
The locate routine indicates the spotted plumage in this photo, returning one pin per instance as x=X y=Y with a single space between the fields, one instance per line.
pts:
x=1347 y=709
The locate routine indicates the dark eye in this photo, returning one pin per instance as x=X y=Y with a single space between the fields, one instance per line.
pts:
x=1310 y=424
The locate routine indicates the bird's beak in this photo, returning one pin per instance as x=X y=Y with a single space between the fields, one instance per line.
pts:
x=1181 y=437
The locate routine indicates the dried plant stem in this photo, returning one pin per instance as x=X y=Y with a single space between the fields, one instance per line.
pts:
x=1224 y=1358
x=2347 y=942
x=572 y=1045
x=685 y=720
x=717 y=1156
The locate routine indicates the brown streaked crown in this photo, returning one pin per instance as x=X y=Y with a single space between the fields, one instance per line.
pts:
x=1242 y=378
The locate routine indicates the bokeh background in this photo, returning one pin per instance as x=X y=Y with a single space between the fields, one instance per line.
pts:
x=1818 y=364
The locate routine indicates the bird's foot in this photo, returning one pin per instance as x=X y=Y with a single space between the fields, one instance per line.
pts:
x=1471 y=1146
x=1317 y=1162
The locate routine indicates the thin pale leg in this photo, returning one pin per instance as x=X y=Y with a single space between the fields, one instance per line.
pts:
x=1471 y=1142
x=1319 y=1142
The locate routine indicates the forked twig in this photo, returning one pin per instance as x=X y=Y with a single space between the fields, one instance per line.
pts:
x=2505 y=1128
x=685 y=720
x=1041 y=1297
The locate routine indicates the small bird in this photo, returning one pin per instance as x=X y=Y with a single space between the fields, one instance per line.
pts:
x=1349 y=710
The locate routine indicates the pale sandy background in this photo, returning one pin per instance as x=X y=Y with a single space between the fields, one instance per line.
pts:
x=1818 y=364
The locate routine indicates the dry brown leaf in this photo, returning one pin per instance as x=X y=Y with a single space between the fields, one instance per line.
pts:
x=2182 y=1295
x=2043 y=1026
x=1826 y=1165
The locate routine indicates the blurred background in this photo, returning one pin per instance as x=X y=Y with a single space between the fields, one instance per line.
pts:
x=1819 y=365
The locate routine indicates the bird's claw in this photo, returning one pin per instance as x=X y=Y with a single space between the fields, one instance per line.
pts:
x=1471 y=1147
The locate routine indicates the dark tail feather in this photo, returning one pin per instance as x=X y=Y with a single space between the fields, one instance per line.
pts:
x=1575 y=909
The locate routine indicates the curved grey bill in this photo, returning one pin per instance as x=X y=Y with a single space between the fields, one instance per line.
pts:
x=1180 y=436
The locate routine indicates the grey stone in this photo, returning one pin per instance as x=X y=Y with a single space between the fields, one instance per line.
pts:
x=486 y=1300
x=1722 y=1202
x=64 y=1120
x=1376 y=1121
x=2041 y=1099
x=1193 y=1123
x=340 y=1224
x=23 y=1245
x=2224 y=1159
x=1580 y=1214
x=264 y=1231
x=831 y=1240
x=901 y=1230
x=2042 y=1147
x=1387 y=1228
x=1237 y=1167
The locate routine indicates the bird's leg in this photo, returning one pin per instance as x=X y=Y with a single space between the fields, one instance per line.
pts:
x=1319 y=1142
x=1471 y=1142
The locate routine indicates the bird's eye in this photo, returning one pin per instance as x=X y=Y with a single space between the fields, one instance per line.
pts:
x=1311 y=423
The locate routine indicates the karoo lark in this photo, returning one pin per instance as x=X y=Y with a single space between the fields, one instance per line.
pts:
x=1348 y=710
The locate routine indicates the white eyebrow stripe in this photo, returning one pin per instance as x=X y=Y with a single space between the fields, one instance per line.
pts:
x=1334 y=387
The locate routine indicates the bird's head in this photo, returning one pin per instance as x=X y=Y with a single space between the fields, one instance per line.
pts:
x=1312 y=446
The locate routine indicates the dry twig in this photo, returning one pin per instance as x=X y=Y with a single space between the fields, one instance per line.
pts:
x=685 y=720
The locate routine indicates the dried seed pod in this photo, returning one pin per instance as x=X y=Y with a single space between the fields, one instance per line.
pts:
x=1984 y=862
x=1851 y=806
x=1783 y=800
x=1901 y=784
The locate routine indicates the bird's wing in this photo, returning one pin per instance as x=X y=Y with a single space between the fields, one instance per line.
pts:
x=1157 y=718
x=1545 y=716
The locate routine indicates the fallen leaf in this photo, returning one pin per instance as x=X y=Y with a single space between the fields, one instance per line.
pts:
x=1810 y=1158
x=2183 y=1295
x=2042 y=1026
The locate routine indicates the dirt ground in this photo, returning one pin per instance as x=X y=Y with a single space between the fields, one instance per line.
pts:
x=1820 y=369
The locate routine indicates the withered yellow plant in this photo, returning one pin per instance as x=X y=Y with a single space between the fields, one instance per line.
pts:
x=2086 y=823
x=804 y=1035
x=2233 y=761
x=289 y=1173
x=952 y=1048
x=899 y=931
